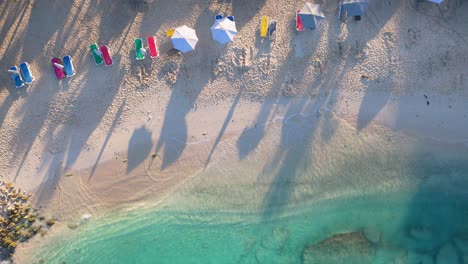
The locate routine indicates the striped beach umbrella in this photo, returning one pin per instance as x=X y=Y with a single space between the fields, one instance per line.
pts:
x=354 y=7
x=310 y=15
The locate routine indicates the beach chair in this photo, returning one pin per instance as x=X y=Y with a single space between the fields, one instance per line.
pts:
x=139 y=50
x=16 y=76
x=231 y=18
x=27 y=75
x=272 y=30
x=299 y=26
x=106 y=55
x=97 y=55
x=218 y=17
x=264 y=27
x=68 y=66
x=153 y=48
x=58 y=68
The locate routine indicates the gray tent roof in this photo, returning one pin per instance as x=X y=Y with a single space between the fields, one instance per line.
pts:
x=310 y=15
x=354 y=7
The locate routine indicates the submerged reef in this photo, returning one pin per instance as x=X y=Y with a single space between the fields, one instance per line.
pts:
x=341 y=248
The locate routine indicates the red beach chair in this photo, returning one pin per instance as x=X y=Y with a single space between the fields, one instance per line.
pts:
x=299 y=26
x=106 y=55
x=58 y=68
x=153 y=48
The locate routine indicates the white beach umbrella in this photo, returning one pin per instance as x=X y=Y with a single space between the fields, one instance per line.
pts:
x=224 y=30
x=436 y=1
x=184 y=39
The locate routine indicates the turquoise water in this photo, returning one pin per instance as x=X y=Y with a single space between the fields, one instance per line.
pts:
x=408 y=196
x=221 y=237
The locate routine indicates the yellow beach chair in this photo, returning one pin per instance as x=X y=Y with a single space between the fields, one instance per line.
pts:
x=264 y=27
x=170 y=32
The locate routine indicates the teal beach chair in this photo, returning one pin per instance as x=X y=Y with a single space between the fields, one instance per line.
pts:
x=139 y=50
x=97 y=56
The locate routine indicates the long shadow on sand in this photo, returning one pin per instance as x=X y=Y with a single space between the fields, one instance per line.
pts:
x=293 y=155
x=293 y=150
x=106 y=141
x=293 y=61
x=139 y=147
x=224 y=126
x=185 y=92
x=13 y=15
x=74 y=135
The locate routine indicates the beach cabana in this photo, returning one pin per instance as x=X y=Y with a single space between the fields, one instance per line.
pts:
x=184 y=39
x=355 y=8
x=224 y=30
x=310 y=15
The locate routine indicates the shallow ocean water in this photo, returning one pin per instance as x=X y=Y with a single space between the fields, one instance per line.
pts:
x=292 y=190
x=221 y=237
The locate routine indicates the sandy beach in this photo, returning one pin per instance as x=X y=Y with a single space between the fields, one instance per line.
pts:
x=136 y=131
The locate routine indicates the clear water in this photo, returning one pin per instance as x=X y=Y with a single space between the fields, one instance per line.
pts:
x=285 y=197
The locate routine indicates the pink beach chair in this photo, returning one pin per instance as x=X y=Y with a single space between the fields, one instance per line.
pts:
x=153 y=48
x=299 y=26
x=58 y=68
x=106 y=55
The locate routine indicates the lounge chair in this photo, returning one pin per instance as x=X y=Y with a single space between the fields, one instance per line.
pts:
x=218 y=17
x=299 y=26
x=231 y=18
x=153 y=48
x=58 y=68
x=68 y=66
x=16 y=76
x=272 y=30
x=264 y=27
x=97 y=55
x=106 y=55
x=139 y=50
x=26 y=70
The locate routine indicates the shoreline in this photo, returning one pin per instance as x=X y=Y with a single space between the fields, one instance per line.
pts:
x=112 y=188
x=113 y=164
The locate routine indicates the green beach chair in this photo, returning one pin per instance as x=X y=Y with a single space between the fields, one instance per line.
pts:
x=139 y=50
x=96 y=53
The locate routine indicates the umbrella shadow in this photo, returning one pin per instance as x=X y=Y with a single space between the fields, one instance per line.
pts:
x=225 y=125
x=106 y=141
x=245 y=10
x=191 y=74
x=139 y=147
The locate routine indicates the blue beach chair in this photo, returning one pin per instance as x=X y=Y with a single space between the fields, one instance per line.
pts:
x=231 y=18
x=218 y=17
x=27 y=75
x=68 y=66
x=16 y=76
